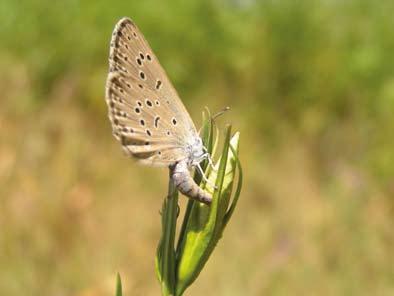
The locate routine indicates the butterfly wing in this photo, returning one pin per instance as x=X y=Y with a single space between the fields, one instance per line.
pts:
x=145 y=111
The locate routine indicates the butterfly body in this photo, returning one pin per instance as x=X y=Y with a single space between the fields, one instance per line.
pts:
x=185 y=183
x=146 y=113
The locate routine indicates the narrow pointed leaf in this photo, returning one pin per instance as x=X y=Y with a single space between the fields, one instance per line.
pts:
x=118 y=286
x=239 y=183
x=165 y=258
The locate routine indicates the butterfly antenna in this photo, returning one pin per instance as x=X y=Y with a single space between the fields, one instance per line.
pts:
x=221 y=112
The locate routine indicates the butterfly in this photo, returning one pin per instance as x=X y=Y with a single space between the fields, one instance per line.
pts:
x=147 y=116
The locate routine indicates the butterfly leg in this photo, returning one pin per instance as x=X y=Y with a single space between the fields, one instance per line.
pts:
x=208 y=156
x=199 y=169
x=211 y=162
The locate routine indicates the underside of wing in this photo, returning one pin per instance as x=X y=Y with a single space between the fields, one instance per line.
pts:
x=142 y=133
x=146 y=114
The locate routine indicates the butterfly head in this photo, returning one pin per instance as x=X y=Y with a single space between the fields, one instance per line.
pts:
x=197 y=152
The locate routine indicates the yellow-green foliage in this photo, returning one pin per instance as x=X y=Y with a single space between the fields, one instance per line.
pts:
x=311 y=87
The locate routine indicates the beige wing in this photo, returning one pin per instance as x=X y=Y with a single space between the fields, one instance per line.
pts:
x=146 y=114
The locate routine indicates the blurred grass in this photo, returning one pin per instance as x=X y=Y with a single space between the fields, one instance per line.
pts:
x=311 y=86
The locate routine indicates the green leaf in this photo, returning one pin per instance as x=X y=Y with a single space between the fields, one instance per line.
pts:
x=203 y=225
x=207 y=139
x=206 y=223
x=118 y=286
x=165 y=257
x=234 y=149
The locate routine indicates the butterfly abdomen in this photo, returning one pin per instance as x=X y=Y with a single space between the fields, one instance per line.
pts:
x=185 y=183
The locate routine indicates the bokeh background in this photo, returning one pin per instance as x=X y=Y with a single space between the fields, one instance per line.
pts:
x=311 y=87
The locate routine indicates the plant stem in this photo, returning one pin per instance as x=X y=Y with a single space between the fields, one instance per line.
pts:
x=168 y=257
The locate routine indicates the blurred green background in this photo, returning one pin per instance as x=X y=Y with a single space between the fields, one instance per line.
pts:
x=311 y=87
